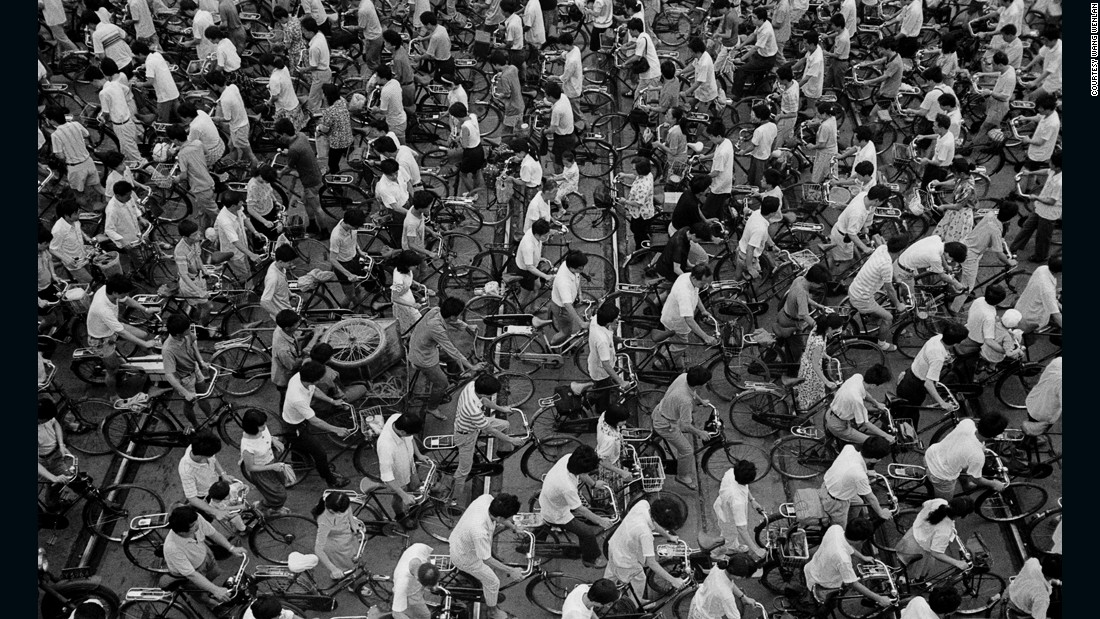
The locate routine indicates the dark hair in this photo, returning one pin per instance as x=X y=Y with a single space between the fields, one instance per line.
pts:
x=826 y=322
x=285 y=253
x=112 y=159
x=409 y=423
x=139 y=48
x=995 y=294
x=389 y=166
x=887 y=43
x=458 y=110
x=811 y=37
x=93 y=73
x=953 y=333
x=119 y=284
x=865 y=168
x=576 y=259
x=284 y=126
x=287 y=318
x=864 y=132
x=825 y=107
x=498 y=57
x=992 y=424
x=668 y=70
x=642 y=165
x=943 y=121
x=428 y=574
x=1052 y=566
x=540 y=227
x=695 y=44
x=565 y=38
x=701 y=271
x=944 y=599
x=331 y=92
x=89 y=608
x=310 y=24
x=1052 y=32
x=875 y=448
x=818 y=274
x=186 y=109
x=267 y=606
x=897 y=243
x=428 y=18
x=176 y=132
x=177 y=324
x=606 y=314
x=877 y=374
x=252 y=420
x=451 y=306
x=716 y=128
x=336 y=501
x=213 y=33
x=666 y=513
x=355 y=217
x=615 y=414
x=406 y=260
x=47 y=409
x=1054 y=263
x=583 y=460
x=181 y=518
x=312 y=371
x=744 y=472
x=68 y=208
x=760 y=13
x=552 y=90
x=44 y=234
x=123 y=187
x=392 y=37
x=1056 y=159
x=837 y=20
x=603 y=591
x=218 y=490
x=702 y=231
x=934 y=74
x=741 y=565
x=322 y=352
x=958 y=507
x=206 y=444
x=947 y=100
x=698 y=376
x=860 y=529
x=955 y=250
x=762 y=111
x=186 y=228
x=504 y=505
x=635 y=24
x=216 y=78
x=878 y=192
x=769 y=205
x=486 y=384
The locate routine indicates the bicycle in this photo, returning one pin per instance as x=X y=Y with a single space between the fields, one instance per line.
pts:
x=1013 y=378
x=104 y=506
x=74 y=588
x=295 y=583
x=1042 y=531
x=549 y=419
x=272 y=538
x=88 y=412
x=176 y=599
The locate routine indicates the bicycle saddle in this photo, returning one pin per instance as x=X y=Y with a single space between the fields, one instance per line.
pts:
x=298 y=562
x=710 y=542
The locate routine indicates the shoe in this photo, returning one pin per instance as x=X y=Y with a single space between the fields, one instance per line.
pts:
x=597 y=564
x=79 y=427
x=690 y=484
x=885 y=346
x=338 y=482
x=437 y=414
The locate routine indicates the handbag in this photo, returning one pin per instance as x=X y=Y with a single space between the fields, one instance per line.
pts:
x=641 y=65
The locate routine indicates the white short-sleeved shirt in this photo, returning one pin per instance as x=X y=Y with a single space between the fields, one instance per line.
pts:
x=260 y=447
x=608 y=441
x=918 y=608
x=395 y=454
x=1044 y=401
x=391 y=193
x=933 y=537
x=230 y=229
x=815 y=71
x=926 y=253
x=412 y=231
x=537 y=209
x=723 y=163
x=846 y=479
x=1047 y=128
x=296 y=408
x=981 y=320
x=406 y=584
x=572 y=80
x=848 y=400
x=731 y=506
x=714 y=599
x=929 y=362
x=566 y=287
x=852 y=218
x=912 y=19
x=766 y=45
x=831 y=565
x=529 y=252
x=559 y=495
x=103 y=319
x=632 y=542
x=471 y=540
x=196 y=477
x=681 y=303
x=763 y=138
x=1052 y=61
x=601 y=347
x=574 y=606
x=644 y=47
x=530 y=171
x=390 y=103
x=1039 y=299
x=342 y=244
x=959 y=452
x=704 y=74
x=866 y=153
x=1052 y=190
x=755 y=236
x=233 y=108
x=944 y=152
x=227 y=57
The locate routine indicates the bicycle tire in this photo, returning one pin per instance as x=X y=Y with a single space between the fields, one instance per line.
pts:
x=734 y=452
x=721 y=381
x=758 y=413
x=598 y=276
x=92 y=412
x=338 y=199
x=596 y=77
x=145 y=549
x=1040 y=533
x=596 y=158
x=120 y=427
x=852 y=605
x=595 y=102
x=910 y=334
x=981 y=591
x=356 y=341
x=161 y=609
x=517 y=352
x=229 y=423
x=516 y=389
x=311 y=254
x=549 y=590
x=77 y=594
x=594 y=224
x=747 y=367
x=1017 y=502
x=89 y=370
x=681 y=604
x=540 y=457
x=494 y=213
x=798 y=457
x=457 y=218
x=459 y=249
x=478 y=83
x=440 y=519
x=856 y=355
x=481 y=306
x=889 y=532
x=778 y=578
x=672 y=28
x=615 y=128
x=248 y=369
x=376 y=588
x=489 y=117
x=301 y=462
x=102 y=518
x=281 y=535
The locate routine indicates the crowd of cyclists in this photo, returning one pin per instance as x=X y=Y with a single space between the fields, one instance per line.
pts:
x=242 y=175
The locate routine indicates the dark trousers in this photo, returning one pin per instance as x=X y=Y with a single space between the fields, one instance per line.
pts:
x=639 y=229
x=303 y=440
x=563 y=144
x=586 y=535
x=714 y=207
x=932 y=173
x=594 y=38
x=1032 y=225
x=601 y=391
x=335 y=155
x=756 y=170
x=756 y=65
x=911 y=390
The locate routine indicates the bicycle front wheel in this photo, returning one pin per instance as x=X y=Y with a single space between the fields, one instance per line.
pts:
x=158 y=609
x=109 y=519
x=515 y=389
x=798 y=457
x=1012 y=389
x=356 y=341
x=145 y=549
x=279 y=536
x=246 y=369
x=1040 y=535
x=548 y=591
x=338 y=199
x=721 y=459
x=147 y=430
x=672 y=28
x=594 y=224
x=517 y=352
x=541 y=456
x=92 y=412
x=760 y=414
x=596 y=158
x=440 y=519
x=1016 y=502
x=856 y=356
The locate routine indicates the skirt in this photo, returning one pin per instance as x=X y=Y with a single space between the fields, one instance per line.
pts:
x=473 y=160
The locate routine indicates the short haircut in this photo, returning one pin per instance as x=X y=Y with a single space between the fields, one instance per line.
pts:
x=635 y=24
x=213 y=33
x=875 y=447
x=1052 y=566
x=583 y=460
x=716 y=128
x=177 y=132
x=773 y=177
x=642 y=165
x=310 y=24
x=93 y=73
x=702 y=231
x=112 y=159
x=897 y=243
x=603 y=591
x=992 y=424
x=606 y=314
x=119 y=284
x=698 y=376
x=451 y=307
x=287 y=318
x=785 y=73
x=769 y=205
x=744 y=472
x=762 y=111
x=186 y=109
x=312 y=371
x=697 y=45
x=1000 y=58
x=389 y=166
x=267 y=606
x=701 y=271
x=486 y=384
x=392 y=37
x=576 y=259
x=668 y=70
x=177 y=324
x=1007 y=210
x=995 y=294
x=760 y=13
x=140 y=48
x=498 y=57
x=428 y=18
x=944 y=599
x=552 y=90
x=1054 y=263
x=216 y=78
x=409 y=423
x=1009 y=29
x=1052 y=32
x=331 y=92
x=1056 y=159
x=186 y=228
x=181 y=518
x=934 y=74
x=540 y=227
x=865 y=168
x=428 y=574
x=123 y=187
x=887 y=43
x=811 y=37
x=877 y=374
x=252 y=420
x=943 y=121
x=955 y=250
x=818 y=274
x=947 y=100
x=285 y=253
x=284 y=126
x=860 y=529
x=355 y=217
x=878 y=192
x=504 y=505
x=565 y=38
x=667 y=513
x=322 y=352
x=458 y=110
x=953 y=333
x=837 y=20
x=741 y=565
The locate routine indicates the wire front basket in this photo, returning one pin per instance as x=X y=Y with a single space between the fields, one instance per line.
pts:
x=653 y=473
x=903 y=153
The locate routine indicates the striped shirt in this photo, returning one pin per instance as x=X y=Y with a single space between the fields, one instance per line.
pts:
x=873 y=275
x=68 y=142
x=109 y=40
x=470 y=414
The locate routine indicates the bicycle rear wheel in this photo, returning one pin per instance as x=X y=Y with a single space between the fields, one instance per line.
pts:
x=517 y=352
x=760 y=414
x=980 y=592
x=145 y=549
x=594 y=224
x=146 y=429
x=110 y=519
x=548 y=591
x=615 y=128
x=856 y=356
x=464 y=284
x=1012 y=389
x=92 y=412
x=596 y=158
x=540 y=457
x=356 y=341
x=721 y=459
x=246 y=369
x=279 y=536
x=440 y=519
x=338 y=199
x=1040 y=535
x=672 y=27
x=798 y=457
x=1016 y=502
x=515 y=389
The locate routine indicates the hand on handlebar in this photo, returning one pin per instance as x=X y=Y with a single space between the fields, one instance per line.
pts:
x=514 y=573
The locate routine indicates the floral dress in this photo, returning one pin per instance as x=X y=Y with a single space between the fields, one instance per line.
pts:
x=813 y=389
x=957 y=224
x=338 y=120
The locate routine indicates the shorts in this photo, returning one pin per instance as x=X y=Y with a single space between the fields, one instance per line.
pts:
x=563 y=321
x=353 y=266
x=865 y=306
x=103 y=347
x=238 y=138
x=83 y=175
x=942 y=487
x=843 y=430
x=473 y=160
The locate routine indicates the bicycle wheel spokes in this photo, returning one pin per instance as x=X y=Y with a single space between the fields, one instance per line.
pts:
x=593 y=224
x=856 y=356
x=980 y=592
x=109 y=518
x=760 y=413
x=1017 y=502
x=152 y=435
x=515 y=389
x=548 y=592
x=145 y=549
x=438 y=520
x=1041 y=533
x=539 y=458
x=1013 y=388
x=355 y=341
x=798 y=457
x=247 y=369
x=596 y=158
x=279 y=536
x=92 y=412
x=517 y=352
